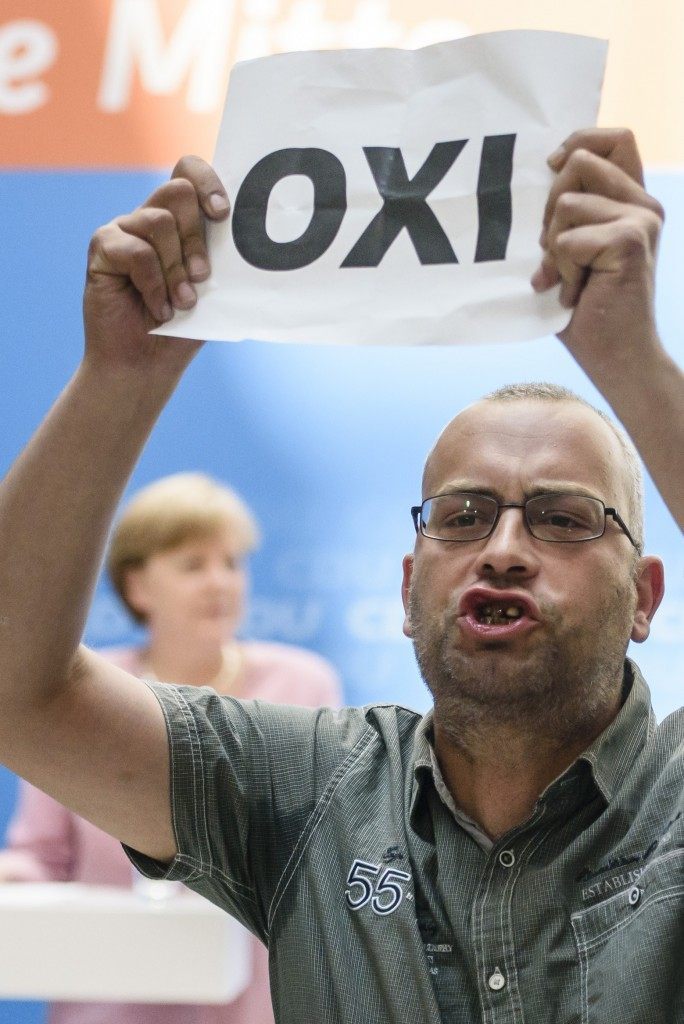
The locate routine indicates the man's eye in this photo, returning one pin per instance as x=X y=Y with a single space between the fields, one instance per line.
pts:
x=563 y=520
x=462 y=519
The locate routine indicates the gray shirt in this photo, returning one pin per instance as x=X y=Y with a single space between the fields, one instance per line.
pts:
x=324 y=832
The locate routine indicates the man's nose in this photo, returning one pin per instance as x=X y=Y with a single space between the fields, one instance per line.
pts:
x=510 y=548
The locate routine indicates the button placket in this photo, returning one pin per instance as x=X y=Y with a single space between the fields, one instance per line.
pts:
x=493 y=915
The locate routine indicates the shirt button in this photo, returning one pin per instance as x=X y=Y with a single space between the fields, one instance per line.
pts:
x=634 y=895
x=506 y=858
x=496 y=981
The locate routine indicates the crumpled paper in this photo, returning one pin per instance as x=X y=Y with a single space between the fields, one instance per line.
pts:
x=462 y=273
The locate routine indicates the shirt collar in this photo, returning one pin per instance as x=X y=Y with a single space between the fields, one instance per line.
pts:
x=610 y=757
x=422 y=774
x=613 y=752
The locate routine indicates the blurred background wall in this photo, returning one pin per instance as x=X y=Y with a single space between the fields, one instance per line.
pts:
x=98 y=98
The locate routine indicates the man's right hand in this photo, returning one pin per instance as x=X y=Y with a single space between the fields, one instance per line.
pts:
x=76 y=727
x=144 y=265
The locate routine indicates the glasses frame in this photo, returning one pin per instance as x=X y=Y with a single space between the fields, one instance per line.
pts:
x=419 y=523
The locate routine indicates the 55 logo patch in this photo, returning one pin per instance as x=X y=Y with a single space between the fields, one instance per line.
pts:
x=384 y=893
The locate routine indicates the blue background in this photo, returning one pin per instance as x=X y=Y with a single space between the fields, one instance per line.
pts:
x=325 y=444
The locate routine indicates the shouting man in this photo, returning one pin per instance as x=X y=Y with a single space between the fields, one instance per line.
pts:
x=518 y=853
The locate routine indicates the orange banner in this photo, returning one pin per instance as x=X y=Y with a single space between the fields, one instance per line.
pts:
x=135 y=83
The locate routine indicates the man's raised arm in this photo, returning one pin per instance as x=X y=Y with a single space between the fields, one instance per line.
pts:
x=601 y=232
x=72 y=724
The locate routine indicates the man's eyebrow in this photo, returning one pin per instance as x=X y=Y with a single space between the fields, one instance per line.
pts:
x=541 y=487
x=559 y=487
x=457 y=486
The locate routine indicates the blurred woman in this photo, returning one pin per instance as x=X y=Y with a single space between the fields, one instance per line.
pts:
x=177 y=560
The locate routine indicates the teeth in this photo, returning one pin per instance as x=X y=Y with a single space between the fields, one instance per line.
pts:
x=494 y=614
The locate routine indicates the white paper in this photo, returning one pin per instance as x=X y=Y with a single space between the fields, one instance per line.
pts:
x=537 y=86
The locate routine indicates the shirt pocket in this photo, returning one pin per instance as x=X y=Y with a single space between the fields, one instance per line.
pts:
x=631 y=949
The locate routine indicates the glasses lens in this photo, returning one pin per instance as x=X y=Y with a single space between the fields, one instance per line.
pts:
x=458 y=516
x=565 y=517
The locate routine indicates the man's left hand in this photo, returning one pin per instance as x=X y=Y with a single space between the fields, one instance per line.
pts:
x=600 y=239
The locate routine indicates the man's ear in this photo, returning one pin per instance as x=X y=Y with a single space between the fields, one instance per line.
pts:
x=650 y=587
x=407 y=566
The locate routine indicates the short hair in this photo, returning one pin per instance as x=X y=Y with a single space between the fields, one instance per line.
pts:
x=169 y=512
x=546 y=392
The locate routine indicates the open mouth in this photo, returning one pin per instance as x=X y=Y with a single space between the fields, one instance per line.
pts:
x=491 y=614
x=486 y=611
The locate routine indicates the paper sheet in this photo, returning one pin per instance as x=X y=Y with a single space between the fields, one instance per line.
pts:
x=389 y=196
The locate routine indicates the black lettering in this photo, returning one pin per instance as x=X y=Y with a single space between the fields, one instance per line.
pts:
x=249 y=212
x=404 y=206
x=494 y=203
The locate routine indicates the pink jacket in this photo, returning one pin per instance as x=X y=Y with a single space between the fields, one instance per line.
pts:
x=46 y=842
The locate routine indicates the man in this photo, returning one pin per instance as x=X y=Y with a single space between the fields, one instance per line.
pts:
x=518 y=855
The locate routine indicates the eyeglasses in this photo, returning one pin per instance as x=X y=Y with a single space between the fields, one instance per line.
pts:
x=558 y=518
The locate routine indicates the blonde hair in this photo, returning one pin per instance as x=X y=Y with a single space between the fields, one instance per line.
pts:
x=169 y=512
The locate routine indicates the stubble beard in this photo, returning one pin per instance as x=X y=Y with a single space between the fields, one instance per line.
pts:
x=555 y=691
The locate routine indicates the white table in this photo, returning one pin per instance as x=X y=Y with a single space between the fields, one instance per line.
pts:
x=65 y=941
